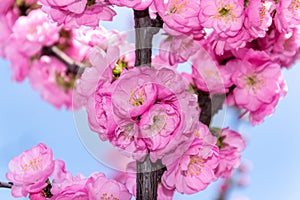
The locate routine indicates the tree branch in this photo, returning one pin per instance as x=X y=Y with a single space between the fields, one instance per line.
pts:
x=145 y=29
x=148 y=173
x=211 y=105
x=6 y=185
x=73 y=67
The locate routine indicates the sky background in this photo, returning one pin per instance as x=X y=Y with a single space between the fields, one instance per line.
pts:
x=273 y=147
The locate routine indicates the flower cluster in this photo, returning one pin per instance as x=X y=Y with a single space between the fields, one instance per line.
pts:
x=38 y=49
x=35 y=173
x=75 y=13
x=142 y=109
x=236 y=50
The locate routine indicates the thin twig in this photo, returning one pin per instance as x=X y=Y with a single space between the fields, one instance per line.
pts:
x=73 y=67
x=6 y=185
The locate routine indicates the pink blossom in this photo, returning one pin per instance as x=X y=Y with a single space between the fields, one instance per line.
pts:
x=208 y=76
x=222 y=44
x=73 y=13
x=32 y=32
x=258 y=18
x=183 y=135
x=259 y=84
x=30 y=170
x=134 y=93
x=127 y=137
x=256 y=85
x=20 y=64
x=104 y=112
x=158 y=125
x=137 y=95
x=135 y=4
x=178 y=49
x=287 y=15
x=70 y=188
x=6 y=23
x=286 y=47
x=226 y=17
x=230 y=145
x=99 y=186
x=194 y=171
x=258 y=116
x=179 y=15
x=47 y=76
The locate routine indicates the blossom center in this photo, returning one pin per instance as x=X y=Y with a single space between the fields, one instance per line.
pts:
x=254 y=82
x=159 y=123
x=195 y=165
x=262 y=14
x=127 y=132
x=105 y=196
x=177 y=7
x=32 y=164
x=225 y=12
x=137 y=97
x=295 y=5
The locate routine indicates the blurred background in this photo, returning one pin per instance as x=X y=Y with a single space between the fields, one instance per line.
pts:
x=273 y=147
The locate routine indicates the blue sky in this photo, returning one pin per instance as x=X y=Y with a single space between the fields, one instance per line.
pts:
x=273 y=147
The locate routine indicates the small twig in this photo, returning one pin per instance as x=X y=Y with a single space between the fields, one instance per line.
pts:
x=73 y=67
x=6 y=185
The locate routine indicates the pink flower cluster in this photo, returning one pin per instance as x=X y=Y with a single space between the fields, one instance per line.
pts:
x=74 y=13
x=36 y=173
x=258 y=82
x=206 y=159
x=237 y=22
x=31 y=35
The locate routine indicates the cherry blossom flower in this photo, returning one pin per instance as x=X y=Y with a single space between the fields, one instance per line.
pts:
x=156 y=100
x=230 y=145
x=73 y=13
x=287 y=15
x=226 y=17
x=32 y=32
x=30 y=170
x=194 y=171
x=208 y=76
x=48 y=76
x=258 y=18
x=179 y=15
x=99 y=186
x=70 y=188
x=258 y=83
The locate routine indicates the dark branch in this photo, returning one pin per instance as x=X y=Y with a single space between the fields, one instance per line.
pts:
x=145 y=29
x=148 y=173
x=211 y=105
x=148 y=176
x=6 y=185
x=73 y=67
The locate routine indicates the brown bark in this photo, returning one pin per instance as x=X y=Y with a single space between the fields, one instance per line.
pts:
x=148 y=173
